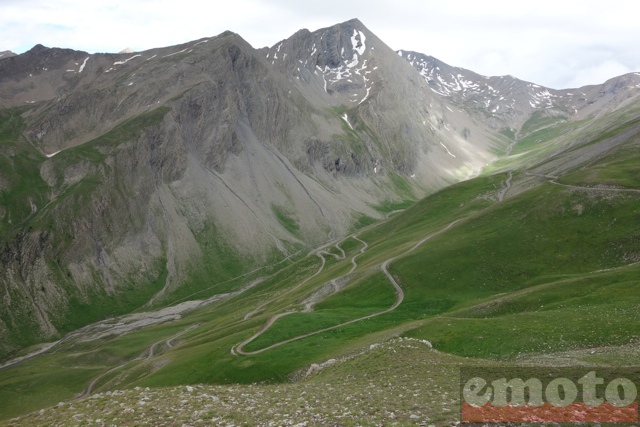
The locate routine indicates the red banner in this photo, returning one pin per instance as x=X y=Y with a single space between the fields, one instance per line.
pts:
x=574 y=413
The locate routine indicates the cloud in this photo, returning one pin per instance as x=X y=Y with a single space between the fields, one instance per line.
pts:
x=598 y=73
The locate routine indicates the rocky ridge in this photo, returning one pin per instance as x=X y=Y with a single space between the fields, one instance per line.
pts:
x=507 y=101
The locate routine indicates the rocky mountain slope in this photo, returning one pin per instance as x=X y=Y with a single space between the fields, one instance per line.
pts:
x=387 y=108
x=147 y=178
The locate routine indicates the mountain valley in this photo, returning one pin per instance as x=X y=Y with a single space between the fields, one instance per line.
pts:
x=212 y=227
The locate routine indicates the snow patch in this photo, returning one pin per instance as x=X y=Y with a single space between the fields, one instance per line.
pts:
x=448 y=152
x=354 y=62
x=126 y=60
x=366 y=96
x=83 y=64
x=175 y=53
x=53 y=154
x=354 y=41
x=346 y=119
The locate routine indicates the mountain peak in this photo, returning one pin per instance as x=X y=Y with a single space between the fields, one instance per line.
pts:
x=6 y=54
x=351 y=24
x=38 y=48
x=354 y=21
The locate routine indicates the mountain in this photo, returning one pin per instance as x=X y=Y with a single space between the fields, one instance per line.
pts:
x=138 y=170
x=210 y=188
x=507 y=102
x=402 y=126
x=152 y=169
x=6 y=54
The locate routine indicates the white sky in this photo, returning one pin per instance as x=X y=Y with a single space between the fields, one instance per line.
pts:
x=559 y=43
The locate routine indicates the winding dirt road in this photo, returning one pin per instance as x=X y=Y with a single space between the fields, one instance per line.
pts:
x=612 y=189
x=238 y=349
x=149 y=354
x=43 y=349
x=507 y=186
x=554 y=180
x=261 y=306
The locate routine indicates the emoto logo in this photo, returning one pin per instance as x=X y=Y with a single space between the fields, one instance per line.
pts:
x=538 y=395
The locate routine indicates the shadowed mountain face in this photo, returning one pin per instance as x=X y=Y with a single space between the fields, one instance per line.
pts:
x=158 y=176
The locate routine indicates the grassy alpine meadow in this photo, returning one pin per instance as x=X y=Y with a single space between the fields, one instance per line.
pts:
x=518 y=284
x=369 y=295
x=62 y=375
x=618 y=168
x=594 y=311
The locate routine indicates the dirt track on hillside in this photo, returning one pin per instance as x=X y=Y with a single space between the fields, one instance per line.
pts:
x=148 y=354
x=238 y=349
